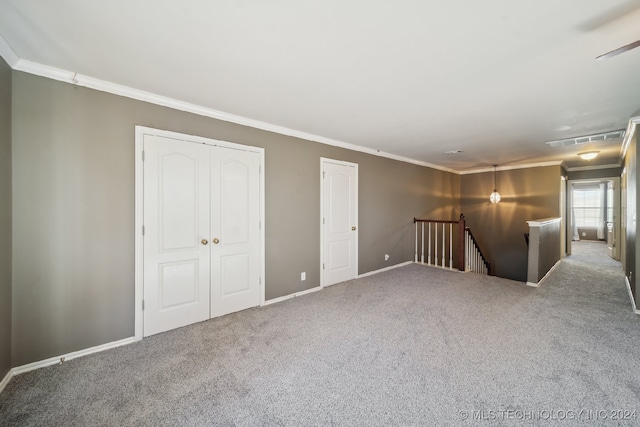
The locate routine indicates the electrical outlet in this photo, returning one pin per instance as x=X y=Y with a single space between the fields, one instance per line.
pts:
x=584 y=234
x=303 y=276
x=386 y=257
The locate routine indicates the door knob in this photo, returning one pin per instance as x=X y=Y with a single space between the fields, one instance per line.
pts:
x=215 y=240
x=353 y=229
x=204 y=241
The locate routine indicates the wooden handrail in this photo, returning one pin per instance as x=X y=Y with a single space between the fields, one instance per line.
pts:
x=440 y=221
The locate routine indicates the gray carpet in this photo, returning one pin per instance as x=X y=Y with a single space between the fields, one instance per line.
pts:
x=411 y=346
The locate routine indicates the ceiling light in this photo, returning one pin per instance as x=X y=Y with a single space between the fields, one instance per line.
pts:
x=588 y=155
x=453 y=152
x=495 y=196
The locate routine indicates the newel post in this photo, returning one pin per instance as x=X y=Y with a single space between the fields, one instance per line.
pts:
x=461 y=240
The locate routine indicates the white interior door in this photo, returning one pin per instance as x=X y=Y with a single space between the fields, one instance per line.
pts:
x=176 y=224
x=235 y=225
x=339 y=221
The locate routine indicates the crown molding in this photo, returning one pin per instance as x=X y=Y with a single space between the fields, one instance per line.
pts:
x=506 y=168
x=113 y=88
x=129 y=92
x=594 y=167
x=629 y=134
x=8 y=53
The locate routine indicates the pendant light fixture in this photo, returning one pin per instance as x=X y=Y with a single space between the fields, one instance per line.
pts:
x=495 y=196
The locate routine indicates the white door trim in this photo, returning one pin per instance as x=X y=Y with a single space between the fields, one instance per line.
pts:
x=617 y=210
x=324 y=160
x=140 y=132
x=563 y=215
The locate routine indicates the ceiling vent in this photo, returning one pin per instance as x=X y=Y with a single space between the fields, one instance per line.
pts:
x=601 y=137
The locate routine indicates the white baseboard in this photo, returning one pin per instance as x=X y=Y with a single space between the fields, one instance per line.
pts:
x=535 y=285
x=391 y=267
x=318 y=288
x=633 y=301
x=65 y=357
x=6 y=380
x=296 y=294
x=73 y=355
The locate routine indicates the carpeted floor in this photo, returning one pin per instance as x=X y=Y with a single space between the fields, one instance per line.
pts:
x=412 y=346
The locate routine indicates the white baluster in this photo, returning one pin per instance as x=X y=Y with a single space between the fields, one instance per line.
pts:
x=435 y=244
x=416 y=254
x=466 y=250
x=422 y=255
x=429 y=244
x=450 y=246
x=444 y=237
x=475 y=259
x=470 y=254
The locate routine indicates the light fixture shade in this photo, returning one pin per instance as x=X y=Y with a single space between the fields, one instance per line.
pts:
x=589 y=155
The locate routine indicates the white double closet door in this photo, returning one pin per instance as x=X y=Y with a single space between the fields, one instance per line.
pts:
x=201 y=232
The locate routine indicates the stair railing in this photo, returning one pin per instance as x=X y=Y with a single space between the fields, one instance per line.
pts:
x=474 y=260
x=437 y=238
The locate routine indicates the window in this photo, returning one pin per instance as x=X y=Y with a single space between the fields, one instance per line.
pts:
x=587 y=204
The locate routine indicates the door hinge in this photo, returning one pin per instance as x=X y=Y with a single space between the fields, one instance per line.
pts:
x=323 y=220
x=143 y=304
x=259 y=225
x=143 y=155
x=143 y=230
x=323 y=174
x=260 y=281
x=323 y=265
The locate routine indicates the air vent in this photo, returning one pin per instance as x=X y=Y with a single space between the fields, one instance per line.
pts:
x=601 y=137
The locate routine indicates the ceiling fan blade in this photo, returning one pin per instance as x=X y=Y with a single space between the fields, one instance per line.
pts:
x=619 y=51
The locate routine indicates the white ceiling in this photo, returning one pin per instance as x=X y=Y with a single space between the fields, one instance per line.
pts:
x=413 y=78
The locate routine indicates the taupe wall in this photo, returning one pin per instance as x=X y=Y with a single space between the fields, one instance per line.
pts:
x=595 y=173
x=73 y=172
x=527 y=194
x=588 y=233
x=5 y=218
